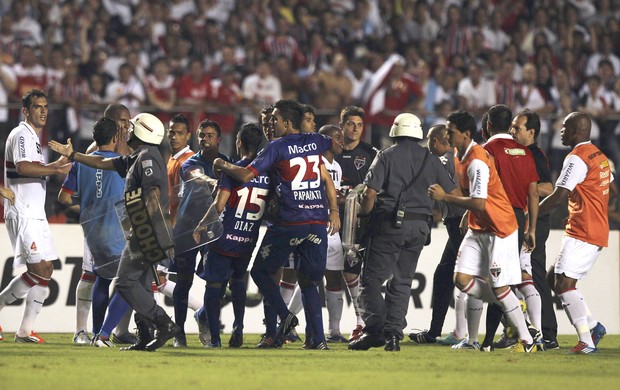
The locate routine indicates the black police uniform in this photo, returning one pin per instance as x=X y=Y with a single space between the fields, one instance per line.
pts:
x=393 y=252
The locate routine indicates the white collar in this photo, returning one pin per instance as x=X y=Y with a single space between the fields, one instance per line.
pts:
x=181 y=152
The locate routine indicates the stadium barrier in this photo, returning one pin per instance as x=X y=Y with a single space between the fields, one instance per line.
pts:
x=601 y=288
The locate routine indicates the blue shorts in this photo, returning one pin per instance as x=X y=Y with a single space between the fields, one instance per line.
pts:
x=218 y=268
x=308 y=241
x=184 y=263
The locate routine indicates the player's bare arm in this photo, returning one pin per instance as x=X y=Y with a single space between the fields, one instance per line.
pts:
x=557 y=197
x=332 y=199
x=436 y=192
x=66 y=150
x=8 y=194
x=238 y=173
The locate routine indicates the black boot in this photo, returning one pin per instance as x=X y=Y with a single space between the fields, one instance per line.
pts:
x=146 y=334
x=166 y=329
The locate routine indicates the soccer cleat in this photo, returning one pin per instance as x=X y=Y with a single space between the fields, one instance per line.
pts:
x=505 y=342
x=336 y=338
x=551 y=344
x=32 y=338
x=465 y=345
x=357 y=333
x=486 y=348
x=423 y=337
x=204 y=335
x=308 y=343
x=214 y=344
x=322 y=346
x=540 y=346
x=266 y=342
x=523 y=347
x=598 y=332
x=1 y=334
x=366 y=342
x=535 y=333
x=292 y=337
x=236 y=340
x=583 y=349
x=101 y=342
x=81 y=338
x=450 y=339
x=124 y=338
x=286 y=326
x=179 y=341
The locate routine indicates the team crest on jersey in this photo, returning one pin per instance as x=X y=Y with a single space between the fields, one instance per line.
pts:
x=359 y=162
x=495 y=270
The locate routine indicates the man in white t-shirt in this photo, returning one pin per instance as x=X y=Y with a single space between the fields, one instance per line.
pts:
x=26 y=222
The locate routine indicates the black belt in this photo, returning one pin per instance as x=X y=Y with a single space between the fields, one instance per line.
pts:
x=409 y=216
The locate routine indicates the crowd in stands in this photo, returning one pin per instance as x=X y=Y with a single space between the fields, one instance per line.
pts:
x=226 y=59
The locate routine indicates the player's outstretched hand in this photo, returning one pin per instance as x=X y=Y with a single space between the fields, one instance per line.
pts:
x=8 y=194
x=63 y=150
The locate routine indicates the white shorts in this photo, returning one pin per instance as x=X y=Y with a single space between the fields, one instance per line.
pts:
x=335 y=253
x=31 y=240
x=87 y=259
x=488 y=256
x=525 y=258
x=576 y=258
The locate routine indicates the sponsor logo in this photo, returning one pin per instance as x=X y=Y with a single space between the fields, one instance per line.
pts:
x=298 y=149
x=99 y=183
x=567 y=172
x=514 y=151
x=604 y=164
x=604 y=174
x=242 y=240
x=313 y=238
x=22 y=147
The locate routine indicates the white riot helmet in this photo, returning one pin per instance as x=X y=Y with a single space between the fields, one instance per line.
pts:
x=148 y=128
x=407 y=125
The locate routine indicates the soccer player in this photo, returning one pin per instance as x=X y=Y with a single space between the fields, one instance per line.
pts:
x=98 y=191
x=306 y=193
x=144 y=172
x=525 y=129
x=489 y=249
x=26 y=222
x=194 y=172
x=586 y=180
x=240 y=207
x=355 y=160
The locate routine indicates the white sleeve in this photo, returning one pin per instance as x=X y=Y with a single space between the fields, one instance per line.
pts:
x=479 y=174
x=24 y=149
x=573 y=172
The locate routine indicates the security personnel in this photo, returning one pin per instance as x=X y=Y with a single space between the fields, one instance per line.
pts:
x=400 y=225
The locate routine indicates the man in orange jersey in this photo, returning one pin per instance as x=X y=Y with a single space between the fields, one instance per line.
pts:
x=586 y=180
x=489 y=248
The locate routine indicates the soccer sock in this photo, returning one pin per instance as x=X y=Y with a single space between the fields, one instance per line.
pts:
x=474 y=313
x=334 y=302
x=100 y=296
x=480 y=289
x=295 y=305
x=354 y=291
x=34 y=302
x=312 y=306
x=494 y=318
x=270 y=291
x=180 y=299
x=238 y=295
x=118 y=315
x=287 y=290
x=17 y=288
x=83 y=298
x=512 y=310
x=213 y=297
x=577 y=312
x=532 y=302
x=271 y=319
x=591 y=320
x=460 y=307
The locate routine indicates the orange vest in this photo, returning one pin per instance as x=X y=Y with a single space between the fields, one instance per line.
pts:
x=174 y=182
x=588 y=202
x=498 y=216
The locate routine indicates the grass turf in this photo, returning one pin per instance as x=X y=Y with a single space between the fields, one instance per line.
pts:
x=59 y=364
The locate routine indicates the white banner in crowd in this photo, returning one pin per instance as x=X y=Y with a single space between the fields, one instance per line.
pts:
x=601 y=289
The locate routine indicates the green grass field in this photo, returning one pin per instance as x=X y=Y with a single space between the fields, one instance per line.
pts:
x=61 y=365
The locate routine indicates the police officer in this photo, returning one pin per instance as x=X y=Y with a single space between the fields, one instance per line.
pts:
x=144 y=171
x=400 y=225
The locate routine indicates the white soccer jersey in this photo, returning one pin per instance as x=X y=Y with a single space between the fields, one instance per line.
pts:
x=23 y=145
x=335 y=171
